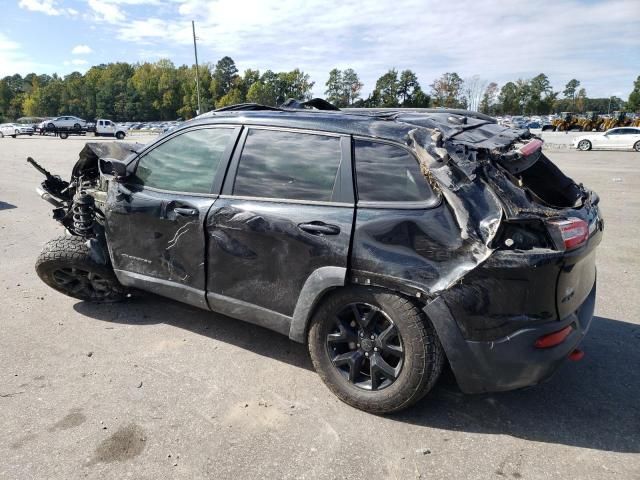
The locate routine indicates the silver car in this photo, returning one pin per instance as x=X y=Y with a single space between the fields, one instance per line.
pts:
x=66 y=121
x=15 y=129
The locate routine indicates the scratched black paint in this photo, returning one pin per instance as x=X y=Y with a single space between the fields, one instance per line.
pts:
x=451 y=254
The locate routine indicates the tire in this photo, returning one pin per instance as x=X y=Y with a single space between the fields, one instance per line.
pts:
x=76 y=126
x=1 y=135
x=584 y=145
x=65 y=265
x=120 y=135
x=636 y=146
x=64 y=135
x=51 y=126
x=412 y=350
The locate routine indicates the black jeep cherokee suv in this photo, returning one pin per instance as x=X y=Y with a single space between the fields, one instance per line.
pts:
x=390 y=241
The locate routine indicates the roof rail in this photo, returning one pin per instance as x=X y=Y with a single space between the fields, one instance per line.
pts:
x=243 y=107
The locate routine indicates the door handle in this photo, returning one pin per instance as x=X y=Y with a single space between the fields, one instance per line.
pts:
x=186 y=211
x=319 y=228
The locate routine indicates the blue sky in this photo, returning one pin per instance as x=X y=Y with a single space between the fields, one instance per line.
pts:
x=597 y=42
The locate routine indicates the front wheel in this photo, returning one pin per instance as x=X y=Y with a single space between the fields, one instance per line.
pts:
x=76 y=126
x=66 y=266
x=636 y=147
x=584 y=145
x=374 y=349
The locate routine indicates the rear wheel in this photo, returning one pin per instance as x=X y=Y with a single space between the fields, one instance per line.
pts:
x=374 y=349
x=636 y=147
x=120 y=135
x=66 y=266
x=76 y=126
x=51 y=126
x=64 y=135
x=584 y=145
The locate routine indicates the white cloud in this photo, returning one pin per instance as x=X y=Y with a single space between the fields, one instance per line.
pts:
x=48 y=7
x=72 y=11
x=81 y=50
x=14 y=60
x=106 y=11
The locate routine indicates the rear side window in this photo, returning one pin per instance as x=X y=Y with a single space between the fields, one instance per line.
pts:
x=388 y=173
x=290 y=165
x=185 y=163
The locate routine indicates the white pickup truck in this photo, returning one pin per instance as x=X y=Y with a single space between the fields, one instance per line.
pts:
x=106 y=128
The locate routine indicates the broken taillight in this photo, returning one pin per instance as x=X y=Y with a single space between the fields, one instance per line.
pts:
x=572 y=231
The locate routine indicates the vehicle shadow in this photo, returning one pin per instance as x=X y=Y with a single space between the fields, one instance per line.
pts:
x=590 y=404
x=6 y=206
x=149 y=309
x=594 y=403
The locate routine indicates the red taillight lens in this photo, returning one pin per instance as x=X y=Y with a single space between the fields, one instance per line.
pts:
x=531 y=147
x=553 y=339
x=574 y=231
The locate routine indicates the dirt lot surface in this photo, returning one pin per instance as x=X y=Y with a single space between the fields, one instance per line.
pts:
x=152 y=389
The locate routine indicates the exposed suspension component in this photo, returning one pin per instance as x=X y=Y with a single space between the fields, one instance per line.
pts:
x=83 y=214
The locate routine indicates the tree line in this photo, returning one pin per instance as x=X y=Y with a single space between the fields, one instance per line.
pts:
x=162 y=91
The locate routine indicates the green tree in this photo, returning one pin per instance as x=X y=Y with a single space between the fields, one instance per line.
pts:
x=224 y=73
x=351 y=86
x=407 y=85
x=570 y=90
x=335 y=91
x=387 y=89
x=489 y=98
x=633 y=105
x=446 y=90
x=509 y=99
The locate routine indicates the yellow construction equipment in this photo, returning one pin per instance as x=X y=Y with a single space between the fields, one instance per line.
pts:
x=618 y=119
x=591 y=122
x=566 y=122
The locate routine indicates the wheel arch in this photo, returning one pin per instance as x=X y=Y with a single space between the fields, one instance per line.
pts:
x=321 y=283
x=315 y=289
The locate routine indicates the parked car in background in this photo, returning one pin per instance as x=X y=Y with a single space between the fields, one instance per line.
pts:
x=534 y=124
x=15 y=129
x=66 y=121
x=623 y=138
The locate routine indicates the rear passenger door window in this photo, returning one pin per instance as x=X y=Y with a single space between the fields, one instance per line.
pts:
x=288 y=165
x=389 y=174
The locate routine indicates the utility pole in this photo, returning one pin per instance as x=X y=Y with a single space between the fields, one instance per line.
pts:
x=195 y=51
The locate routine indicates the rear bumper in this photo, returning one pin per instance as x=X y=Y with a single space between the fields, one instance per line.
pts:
x=510 y=362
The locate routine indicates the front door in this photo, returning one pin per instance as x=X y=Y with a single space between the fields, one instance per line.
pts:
x=285 y=217
x=155 y=219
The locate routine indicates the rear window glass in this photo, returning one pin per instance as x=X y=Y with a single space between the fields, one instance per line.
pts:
x=388 y=173
x=290 y=165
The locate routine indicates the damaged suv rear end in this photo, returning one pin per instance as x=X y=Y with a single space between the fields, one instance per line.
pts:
x=391 y=242
x=523 y=308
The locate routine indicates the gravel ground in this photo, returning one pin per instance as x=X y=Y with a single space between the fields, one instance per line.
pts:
x=154 y=389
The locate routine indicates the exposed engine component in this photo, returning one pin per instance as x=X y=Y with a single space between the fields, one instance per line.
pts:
x=83 y=214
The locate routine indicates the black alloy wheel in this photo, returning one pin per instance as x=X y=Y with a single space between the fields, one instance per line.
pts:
x=365 y=346
x=83 y=283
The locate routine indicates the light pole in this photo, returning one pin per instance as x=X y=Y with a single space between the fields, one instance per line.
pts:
x=609 y=109
x=195 y=52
